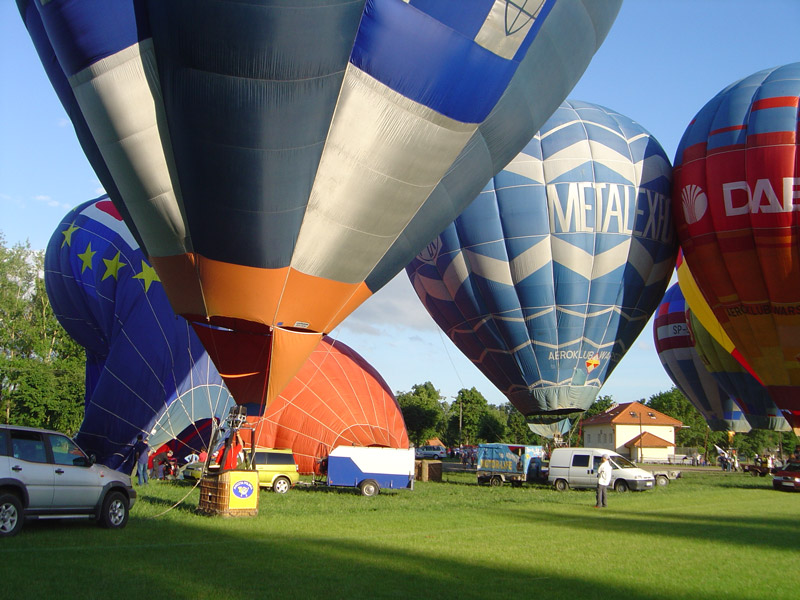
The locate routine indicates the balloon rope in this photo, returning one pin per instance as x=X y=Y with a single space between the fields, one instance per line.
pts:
x=178 y=503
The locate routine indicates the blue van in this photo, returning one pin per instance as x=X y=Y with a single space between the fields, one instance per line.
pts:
x=498 y=463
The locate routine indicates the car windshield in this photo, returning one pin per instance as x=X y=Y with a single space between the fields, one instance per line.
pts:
x=617 y=462
x=793 y=467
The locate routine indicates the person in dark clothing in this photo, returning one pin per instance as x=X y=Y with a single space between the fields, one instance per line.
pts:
x=141 y=453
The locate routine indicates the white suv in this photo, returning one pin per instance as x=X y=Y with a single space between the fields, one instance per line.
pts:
x=45 y=474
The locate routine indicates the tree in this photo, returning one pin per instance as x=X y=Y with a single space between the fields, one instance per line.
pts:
x=517 y=430
x=41 y=367
x=466 y=417
x=422 y=411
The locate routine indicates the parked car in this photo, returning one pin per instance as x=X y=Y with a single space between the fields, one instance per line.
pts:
x=434 y=452
x=577 y=468
x=277 y=469
x=44 y=474
x=787 y=478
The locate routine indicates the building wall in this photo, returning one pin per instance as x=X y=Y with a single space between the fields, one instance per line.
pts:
x=615 y=438
x=599 y=436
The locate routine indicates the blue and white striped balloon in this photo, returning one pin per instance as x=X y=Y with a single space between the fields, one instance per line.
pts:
x=549 y=276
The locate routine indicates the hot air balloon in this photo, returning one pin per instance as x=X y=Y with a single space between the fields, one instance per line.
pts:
x=722 y=359
x=686 y=369
x=281 y=162
x=336 y=399
x=146 y=370
x=548 y=277
x=736 y=175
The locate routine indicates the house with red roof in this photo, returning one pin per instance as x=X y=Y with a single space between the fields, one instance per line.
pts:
x=633 y=430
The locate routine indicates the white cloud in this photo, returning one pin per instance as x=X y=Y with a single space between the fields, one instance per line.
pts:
x=395 y=306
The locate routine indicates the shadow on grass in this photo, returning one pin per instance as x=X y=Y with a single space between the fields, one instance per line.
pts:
x=228 y=565
x=756 y=531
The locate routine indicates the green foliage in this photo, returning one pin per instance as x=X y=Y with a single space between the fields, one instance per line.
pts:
x=41 y=367
x=695 y=432
x=422 y=412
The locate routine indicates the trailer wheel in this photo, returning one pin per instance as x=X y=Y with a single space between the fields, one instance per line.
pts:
x=662 y=480
x=369 y=487
x=621 y=486
x=561 y=485
x=496 y=481
x=753 y=472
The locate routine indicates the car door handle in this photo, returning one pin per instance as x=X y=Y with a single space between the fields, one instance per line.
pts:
x=16 y=468
x=60 y=471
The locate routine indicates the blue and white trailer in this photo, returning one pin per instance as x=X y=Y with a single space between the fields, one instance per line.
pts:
x=371 y=469
x=498 y=463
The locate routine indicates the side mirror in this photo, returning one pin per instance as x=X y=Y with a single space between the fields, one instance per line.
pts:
x=92 y=459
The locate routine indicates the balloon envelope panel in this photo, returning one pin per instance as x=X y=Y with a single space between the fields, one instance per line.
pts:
x=548 y=277
x=723 y=360
x=736 y=176
x=686 y=369
x=750 y=395
x=146 y=371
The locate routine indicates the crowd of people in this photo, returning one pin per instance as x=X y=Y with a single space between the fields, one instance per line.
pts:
x=163 y=464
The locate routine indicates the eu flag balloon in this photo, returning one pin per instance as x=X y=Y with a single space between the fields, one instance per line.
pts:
x=548 y=277
x=146 y=370
x=736 y=174
x=281 y=161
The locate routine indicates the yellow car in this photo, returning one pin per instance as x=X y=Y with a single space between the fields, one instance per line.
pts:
x=276 y=468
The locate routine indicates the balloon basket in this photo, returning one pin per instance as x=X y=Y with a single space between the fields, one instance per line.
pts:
x=229 y=494
x=428 y=470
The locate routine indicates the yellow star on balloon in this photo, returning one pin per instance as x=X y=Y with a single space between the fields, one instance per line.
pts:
x=86 y=257
x=112 y=267
x=148 y=275
x=67 y=233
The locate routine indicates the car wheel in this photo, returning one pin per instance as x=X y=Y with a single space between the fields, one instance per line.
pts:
x=662 y=480
x=115 y=511
x=496 y=481
x=10 y=515
x=561 y=485
x=369 y=487
x=621 y=486
x=281 y=485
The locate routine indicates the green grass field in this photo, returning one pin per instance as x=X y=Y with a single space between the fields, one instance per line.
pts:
x=708 y=535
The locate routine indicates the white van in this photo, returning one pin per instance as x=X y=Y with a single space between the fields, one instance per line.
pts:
x=577 y=468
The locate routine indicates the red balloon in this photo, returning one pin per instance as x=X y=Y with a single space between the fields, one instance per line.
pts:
x=738 y=221
x=337 y=399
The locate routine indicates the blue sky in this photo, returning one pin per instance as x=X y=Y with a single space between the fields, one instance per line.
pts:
x=662 y=61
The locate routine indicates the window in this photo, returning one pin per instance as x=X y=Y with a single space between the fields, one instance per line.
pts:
x=66 y=452
x=580 y=460
x=588 y=437
x=28 y=445
x=277 y=458
x=3 y=442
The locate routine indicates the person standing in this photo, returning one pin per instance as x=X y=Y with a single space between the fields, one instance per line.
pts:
x=603 y=480
x=141 y=452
